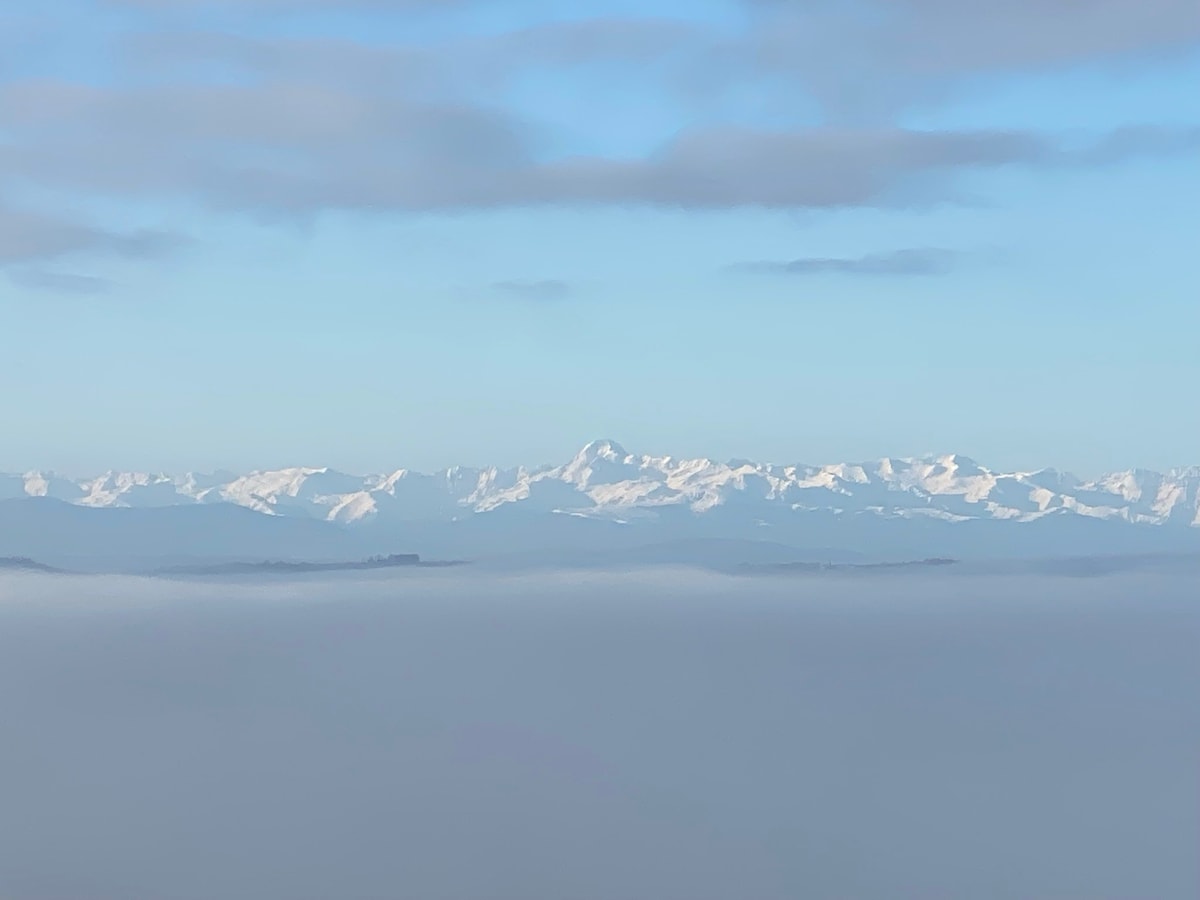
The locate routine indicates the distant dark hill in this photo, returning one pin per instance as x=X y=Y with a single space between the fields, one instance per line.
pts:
x=60 y=534
x=717 y=554
x=913 y=566
x=394 y=561
x=24 y=564
x=727 y=539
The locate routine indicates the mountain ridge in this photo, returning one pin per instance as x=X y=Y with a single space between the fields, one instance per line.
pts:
x=604 y=480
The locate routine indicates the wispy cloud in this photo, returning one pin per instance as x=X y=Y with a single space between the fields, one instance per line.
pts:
x=27 y=237
x=546 y=290
x=288 y=5
x=821 y=45
x=917 y=261
x=59 y=282
x=875 y=56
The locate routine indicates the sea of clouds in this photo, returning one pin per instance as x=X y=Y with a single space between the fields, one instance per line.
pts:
x=665 y=734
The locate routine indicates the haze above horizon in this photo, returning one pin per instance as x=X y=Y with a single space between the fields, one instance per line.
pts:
x=240 y=234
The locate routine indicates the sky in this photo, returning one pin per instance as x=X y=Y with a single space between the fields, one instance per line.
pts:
x=381 y=233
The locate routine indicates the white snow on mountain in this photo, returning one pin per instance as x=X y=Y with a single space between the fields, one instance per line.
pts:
x=606 y=480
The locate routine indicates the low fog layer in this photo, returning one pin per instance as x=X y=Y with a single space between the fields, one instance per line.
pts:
x=664 y=735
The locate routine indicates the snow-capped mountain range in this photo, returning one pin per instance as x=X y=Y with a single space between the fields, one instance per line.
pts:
x=605 y=481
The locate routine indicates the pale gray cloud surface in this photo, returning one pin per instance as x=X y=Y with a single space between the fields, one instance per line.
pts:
x=600 y=737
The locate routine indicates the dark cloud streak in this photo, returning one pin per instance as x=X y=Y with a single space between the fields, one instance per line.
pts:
x=917 y=261
x=31 y=237
x=546 y=290
x=59 y=282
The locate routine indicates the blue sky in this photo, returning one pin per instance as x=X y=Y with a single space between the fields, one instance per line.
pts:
x=369 y=234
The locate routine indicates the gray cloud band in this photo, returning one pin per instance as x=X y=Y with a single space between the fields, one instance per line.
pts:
x=297 y=150
x=337 y=125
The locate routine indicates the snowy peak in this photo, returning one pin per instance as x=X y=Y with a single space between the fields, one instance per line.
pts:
x=606 y=459
x=605 y=480
x=602 y=450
